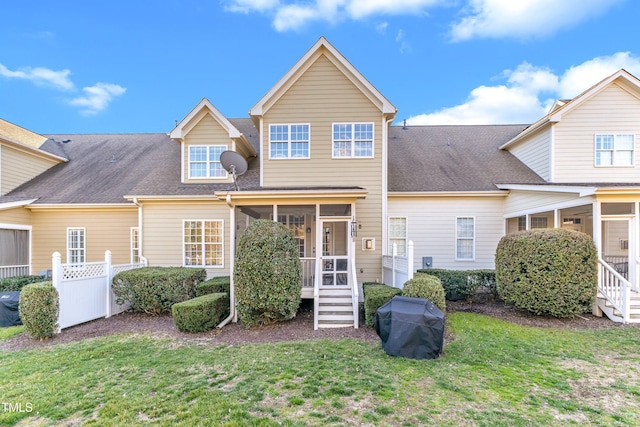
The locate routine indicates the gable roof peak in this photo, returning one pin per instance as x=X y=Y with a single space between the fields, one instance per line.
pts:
x=183 y=127
x=319 y=47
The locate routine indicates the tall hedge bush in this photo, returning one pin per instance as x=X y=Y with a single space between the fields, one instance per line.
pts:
x=39 y=308
x=153 y=290
x=426 y=286
x=267 y=274
x=547 y=272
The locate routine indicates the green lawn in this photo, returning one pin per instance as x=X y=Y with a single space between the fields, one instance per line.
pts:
x=493 y=374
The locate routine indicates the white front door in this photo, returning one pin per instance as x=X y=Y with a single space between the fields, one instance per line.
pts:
x=334 y=262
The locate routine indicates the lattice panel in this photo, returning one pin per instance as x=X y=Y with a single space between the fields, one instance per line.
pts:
x=83 y=271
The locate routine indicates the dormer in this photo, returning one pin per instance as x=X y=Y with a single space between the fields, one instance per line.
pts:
x=203 y=135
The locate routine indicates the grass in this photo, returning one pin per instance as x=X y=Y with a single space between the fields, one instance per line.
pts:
x=10 y=331
x=493 y=374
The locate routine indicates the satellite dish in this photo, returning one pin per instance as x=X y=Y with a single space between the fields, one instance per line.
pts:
x=234 y=163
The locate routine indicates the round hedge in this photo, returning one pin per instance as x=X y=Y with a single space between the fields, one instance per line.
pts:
x=39 y=307
x=267 y=274
x=548 y=272
x=426 y=286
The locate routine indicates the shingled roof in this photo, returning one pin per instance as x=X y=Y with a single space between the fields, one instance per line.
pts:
x=454 y=158
x=104 y=168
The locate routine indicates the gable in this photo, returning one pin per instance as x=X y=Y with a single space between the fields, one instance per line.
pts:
x=322 y=48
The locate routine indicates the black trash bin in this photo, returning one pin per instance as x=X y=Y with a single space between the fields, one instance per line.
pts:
x=9 y=315
x=410 y=327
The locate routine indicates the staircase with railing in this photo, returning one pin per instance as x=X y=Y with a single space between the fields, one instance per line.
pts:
x=618 y=297
x=336 y=307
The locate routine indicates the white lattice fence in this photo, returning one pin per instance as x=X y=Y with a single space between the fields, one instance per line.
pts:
x=85 y=290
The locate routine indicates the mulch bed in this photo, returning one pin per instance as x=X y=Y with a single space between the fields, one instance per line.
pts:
x=300 y=328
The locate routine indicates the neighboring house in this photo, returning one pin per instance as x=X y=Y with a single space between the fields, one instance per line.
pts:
x=325 y=161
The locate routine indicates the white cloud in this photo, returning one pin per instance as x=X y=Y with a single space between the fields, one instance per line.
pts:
x=524 y=18
x=294 y=15
x=528 y=92
x=40 y=76
x=97 y=97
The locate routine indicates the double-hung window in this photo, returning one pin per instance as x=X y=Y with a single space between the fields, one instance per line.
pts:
x=289 y=141
x=76 y=245
x=204 y=161
x=398 y=234
x=465 y=238
x=352 y=140
x=615 y=149
x=203 y=243
x=135 y=245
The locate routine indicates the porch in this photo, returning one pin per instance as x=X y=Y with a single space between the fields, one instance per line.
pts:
x=613 y=225
x=325 y=238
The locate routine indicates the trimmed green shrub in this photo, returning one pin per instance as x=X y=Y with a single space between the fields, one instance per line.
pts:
x=18 y=282
x=548 y=272
x=39 y=308
x=267 y=274
x=426 y=286
x=201 y=313
x=214 y=285
x=375 y=296
x=153 y=290
x=463 y=284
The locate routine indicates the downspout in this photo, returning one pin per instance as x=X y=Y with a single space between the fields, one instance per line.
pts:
x=232 y=255
x=139 y=205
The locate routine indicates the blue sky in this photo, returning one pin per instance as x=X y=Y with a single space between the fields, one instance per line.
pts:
x=115 y=66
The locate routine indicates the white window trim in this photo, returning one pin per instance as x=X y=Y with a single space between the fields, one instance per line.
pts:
x=84 y=249
x=473 y=239
x=184 y=264
x=207 y=146
x=615 y=134
x=132 y=247
x=406 y=233
x=289 y=157
x=352 y=156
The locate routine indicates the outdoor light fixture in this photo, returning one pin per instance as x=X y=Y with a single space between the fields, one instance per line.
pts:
x=368 y=244
x=354 y=228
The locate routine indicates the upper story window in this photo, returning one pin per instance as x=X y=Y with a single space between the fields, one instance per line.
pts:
x=352 y=140
x=289 y=141
x=615 y=149
x=204 y=161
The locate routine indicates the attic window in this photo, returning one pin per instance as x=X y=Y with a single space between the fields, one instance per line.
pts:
x=204 y=162
x=614 y=149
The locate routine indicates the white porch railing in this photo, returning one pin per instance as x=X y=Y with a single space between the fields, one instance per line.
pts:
x=615 y=289
x=308 y=272
x=13 y=270
x=396 y=270
x=355 y=293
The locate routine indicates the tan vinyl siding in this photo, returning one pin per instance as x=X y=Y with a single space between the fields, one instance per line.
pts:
x=536 y=152
x=613 y=110
x=321 y=96
x=519 y=202
x=432 y=228
x=18 y=167
x=162 y=240
x=19 y=215
x=106 y=229
x=206 y=132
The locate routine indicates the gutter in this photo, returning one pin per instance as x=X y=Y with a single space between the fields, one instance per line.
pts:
x=232 y=253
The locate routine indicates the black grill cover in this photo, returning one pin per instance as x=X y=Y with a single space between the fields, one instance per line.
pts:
x=410 y=327
x=9 y=315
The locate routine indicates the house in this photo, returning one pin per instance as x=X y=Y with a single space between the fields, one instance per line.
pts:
x=325 y=160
